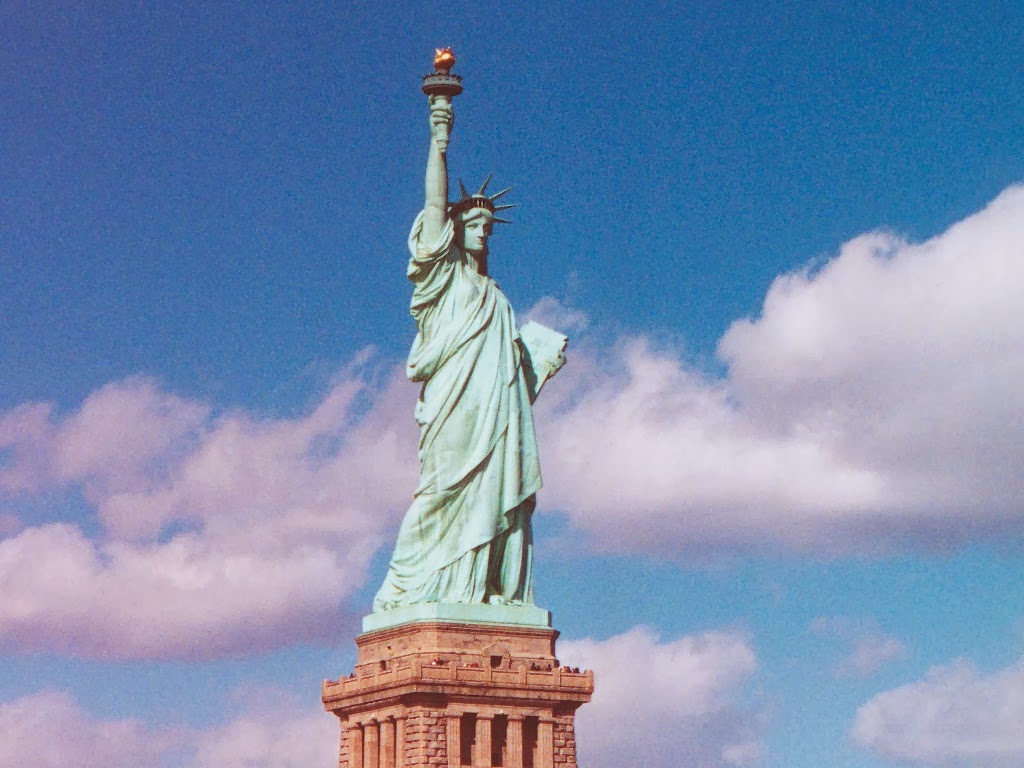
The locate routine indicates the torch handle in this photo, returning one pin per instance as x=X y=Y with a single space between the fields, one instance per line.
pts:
x=441 y=116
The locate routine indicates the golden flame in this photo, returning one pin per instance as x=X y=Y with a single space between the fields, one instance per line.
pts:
x=444 y=59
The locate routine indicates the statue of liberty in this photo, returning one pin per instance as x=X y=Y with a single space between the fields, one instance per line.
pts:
x=467 y=537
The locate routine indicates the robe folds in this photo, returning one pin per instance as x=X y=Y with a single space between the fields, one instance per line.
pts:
x=467 y=536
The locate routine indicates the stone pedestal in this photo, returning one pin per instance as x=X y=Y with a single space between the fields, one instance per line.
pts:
x=450 y=694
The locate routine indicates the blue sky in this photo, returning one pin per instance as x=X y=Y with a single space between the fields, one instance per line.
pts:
x=782 y=465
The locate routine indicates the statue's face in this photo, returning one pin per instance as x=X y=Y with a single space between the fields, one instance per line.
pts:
x=476 y=228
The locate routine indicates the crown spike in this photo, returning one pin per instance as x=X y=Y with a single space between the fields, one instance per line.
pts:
x=496 y=220
x=479 y=200
x=483 y=187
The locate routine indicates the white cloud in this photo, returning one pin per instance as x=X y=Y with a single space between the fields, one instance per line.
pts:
x=120 y=431
x=278 y=732
x=50 y=730
x=221 y=534
x=955 y=717
x=187 y=598
x=875 y=404
x=651 y=456
x=868 y=648
x=673 y=703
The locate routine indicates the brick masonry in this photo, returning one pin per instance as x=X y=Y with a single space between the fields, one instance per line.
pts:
x=565 y=741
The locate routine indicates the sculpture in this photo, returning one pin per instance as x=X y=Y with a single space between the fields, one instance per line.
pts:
x=467 y=537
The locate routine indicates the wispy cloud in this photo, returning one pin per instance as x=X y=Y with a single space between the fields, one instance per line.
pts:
x=553 y=313
x=866 y=647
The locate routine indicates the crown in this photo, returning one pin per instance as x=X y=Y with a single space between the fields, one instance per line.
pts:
x=479 y=200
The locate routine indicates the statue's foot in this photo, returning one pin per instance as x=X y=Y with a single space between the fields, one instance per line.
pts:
x=497 y=600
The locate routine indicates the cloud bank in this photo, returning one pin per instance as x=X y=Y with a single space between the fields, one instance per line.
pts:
x=678 y=701
x=218 y=534
x=874 y=405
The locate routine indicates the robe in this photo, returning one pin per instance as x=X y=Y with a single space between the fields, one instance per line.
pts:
x=467 y=536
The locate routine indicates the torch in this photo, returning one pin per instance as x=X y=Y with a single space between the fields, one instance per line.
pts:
x=441 y=85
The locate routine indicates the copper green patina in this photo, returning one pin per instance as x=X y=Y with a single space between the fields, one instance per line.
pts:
x=465 y=547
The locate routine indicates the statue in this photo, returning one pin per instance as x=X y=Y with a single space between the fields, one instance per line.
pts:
x=467 y=537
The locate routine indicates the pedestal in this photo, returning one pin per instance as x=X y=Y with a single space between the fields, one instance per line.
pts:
x=456 y=694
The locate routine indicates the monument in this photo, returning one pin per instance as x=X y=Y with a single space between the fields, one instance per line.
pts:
x=456 y=665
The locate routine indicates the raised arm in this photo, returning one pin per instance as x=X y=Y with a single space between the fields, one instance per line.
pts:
x=435 y=207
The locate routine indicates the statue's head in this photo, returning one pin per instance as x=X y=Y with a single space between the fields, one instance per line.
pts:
x=474 y=217
x=472 y=230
